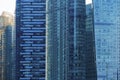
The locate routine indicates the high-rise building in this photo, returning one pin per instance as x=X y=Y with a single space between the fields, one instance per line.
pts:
x=6 y=19
x=66 y=40
x=107 y=38
x=1 y=61
x=6 y=23
x=91 y=73
x=30 y=39
x=13 y=53
x=7 y=53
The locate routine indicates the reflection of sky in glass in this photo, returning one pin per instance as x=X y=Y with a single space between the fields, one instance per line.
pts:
x=107 y=38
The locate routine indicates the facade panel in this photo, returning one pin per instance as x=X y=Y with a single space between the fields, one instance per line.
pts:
x=107 y=32
x=91 y=73
x=7 y=53
x=66 y=40
x=30 y=39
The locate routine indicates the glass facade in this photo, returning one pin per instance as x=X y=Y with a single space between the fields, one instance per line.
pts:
x=66 y=40
x=7 y=53
x=30 y=39
x=13 y=53
x=91 y=73
x=1 y=61
x=107 y=38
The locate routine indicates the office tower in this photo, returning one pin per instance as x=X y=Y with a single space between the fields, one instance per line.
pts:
x=13 y=53
x=6 y=19
x=6 y=23
x=7 y=52
x=1 y=63
x=107 y=38
x=91 y=73
x=30 y=39
x=66 y=40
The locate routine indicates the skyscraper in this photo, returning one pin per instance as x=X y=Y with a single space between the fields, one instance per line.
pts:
x=66 y=40
x=107 y=38
x=30 y=39
x=7 y=52
x=1 y=61
x=6 y=24
x=91 y=73
x=13 y=53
